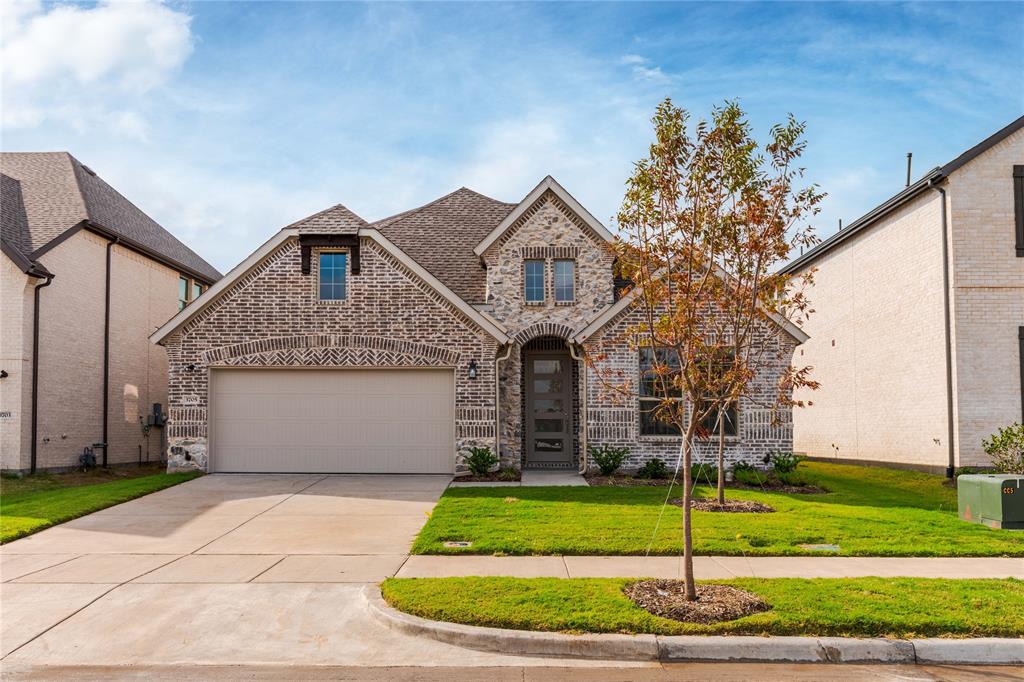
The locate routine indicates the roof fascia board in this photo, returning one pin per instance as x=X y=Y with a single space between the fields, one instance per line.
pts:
x=613 y=310
x=225 y=282
x=107 y=233
x=487 y=323
x=548 y=183
x=27 y=266
x=983 y=146
x=932 y=178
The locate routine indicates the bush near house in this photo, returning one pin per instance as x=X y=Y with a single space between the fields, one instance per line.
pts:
x=1006 y=448
x=608 y=458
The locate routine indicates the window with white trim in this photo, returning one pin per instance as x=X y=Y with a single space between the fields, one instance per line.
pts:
x=533 y=281
x=565 y=281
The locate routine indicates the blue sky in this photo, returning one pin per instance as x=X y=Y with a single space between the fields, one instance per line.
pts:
x=227 y=120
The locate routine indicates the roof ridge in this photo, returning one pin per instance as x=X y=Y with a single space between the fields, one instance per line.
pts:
x=481 y=194
x=326 y=210
x=78 y=183
x=412 y=211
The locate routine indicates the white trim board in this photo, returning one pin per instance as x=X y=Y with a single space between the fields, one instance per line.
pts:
x=548 y=183
x=484 y=321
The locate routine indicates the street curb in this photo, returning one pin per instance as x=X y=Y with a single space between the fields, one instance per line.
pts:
x=738 y=649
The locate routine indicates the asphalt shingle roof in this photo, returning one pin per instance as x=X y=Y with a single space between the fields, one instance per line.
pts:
x=441 y=237
x=57 y=192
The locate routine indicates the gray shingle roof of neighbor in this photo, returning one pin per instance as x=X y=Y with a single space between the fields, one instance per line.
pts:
x=930 y=179
x=57 y=193
x=441 y=237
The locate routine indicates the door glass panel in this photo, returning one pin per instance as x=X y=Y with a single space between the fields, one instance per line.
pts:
x=547 y=366
x=547 y=385
x=547 y=425
x=547 y=444
x=547 y=406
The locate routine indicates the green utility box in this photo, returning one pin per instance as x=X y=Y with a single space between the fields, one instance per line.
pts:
x=996 y=500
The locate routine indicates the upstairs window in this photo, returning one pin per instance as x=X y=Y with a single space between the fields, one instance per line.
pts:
x=332 y=275
x=565 y=281
x=533 y=271
x=197 y=290
x=182 y=292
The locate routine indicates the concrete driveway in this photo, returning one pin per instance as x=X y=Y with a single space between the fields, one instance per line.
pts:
x=223 y=570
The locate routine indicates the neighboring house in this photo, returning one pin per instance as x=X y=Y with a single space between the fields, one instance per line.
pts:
x=343 y=346
x=86 y=278
x=941 y=264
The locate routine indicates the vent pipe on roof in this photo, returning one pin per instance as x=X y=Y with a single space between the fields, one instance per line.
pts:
x=910 y=156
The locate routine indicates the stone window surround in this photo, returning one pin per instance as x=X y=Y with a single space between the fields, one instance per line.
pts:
x=315 y=274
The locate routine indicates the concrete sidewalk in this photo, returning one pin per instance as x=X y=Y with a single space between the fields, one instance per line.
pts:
x=710 y=567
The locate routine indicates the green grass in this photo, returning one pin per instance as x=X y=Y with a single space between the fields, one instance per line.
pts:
x=869 y=511
x=862 y=607
x=37 y=502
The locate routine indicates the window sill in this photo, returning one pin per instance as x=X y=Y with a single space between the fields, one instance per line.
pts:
x=536 y=304
x=565 y=303
x=330 y=301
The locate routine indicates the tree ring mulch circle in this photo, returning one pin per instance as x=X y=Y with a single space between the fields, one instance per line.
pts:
x=715 y=603
x=732 y=506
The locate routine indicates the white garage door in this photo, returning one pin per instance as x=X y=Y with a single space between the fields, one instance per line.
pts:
x=332 y=421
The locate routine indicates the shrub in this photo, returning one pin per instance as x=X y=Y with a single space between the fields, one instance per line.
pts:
x=742 y=466
x=749 y=476
x=794 y=478
x=653 y=468
x=608 y=458
x=1006 y=449
x=508 y=474
x=708 y=473
x=480 y=460
x=785 y=462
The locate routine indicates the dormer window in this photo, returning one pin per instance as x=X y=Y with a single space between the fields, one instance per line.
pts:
x=332 y=275
x=565 y=281
x=533 y=271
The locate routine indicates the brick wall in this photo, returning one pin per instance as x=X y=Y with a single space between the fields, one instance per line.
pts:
x=271 y=317
x=16 y=360
x=988 y=305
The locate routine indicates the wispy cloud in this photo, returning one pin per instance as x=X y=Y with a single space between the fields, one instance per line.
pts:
x=642 y=70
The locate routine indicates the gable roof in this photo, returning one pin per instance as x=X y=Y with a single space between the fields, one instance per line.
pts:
x=55 y=195
x=484 y=321
x=336 y=219
x=441 y=237
x=930 y=179
x=612 y=311
x=548 y=184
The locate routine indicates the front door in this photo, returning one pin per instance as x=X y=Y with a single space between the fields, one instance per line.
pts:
x=549 y=429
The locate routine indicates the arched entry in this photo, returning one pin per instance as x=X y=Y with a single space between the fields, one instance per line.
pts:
x=549 y=397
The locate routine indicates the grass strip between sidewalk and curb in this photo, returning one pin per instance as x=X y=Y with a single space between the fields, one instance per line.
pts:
x=30 y=510
x=868 y=511
x=820 y=607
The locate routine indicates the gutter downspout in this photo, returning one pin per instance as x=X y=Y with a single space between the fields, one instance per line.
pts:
x=106 y=352
x=497 y=400
x=583 y=408
x=35 y=370
x=951 y=466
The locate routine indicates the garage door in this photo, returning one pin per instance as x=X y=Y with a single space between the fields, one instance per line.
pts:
x=332 y=421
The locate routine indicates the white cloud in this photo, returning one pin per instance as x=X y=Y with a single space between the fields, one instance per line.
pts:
x=67 y=63
x=643 y=71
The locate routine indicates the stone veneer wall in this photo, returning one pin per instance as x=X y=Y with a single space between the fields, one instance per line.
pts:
x=272 y=317
x=548 y=230
x=615 y=419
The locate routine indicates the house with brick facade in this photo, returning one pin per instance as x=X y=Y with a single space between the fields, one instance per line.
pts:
x=85 y=278
x=918 y=334
x=395 y=346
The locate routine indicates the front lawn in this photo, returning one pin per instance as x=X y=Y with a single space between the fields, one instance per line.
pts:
x=852 y=607
x=33 y=503
x=869 y=511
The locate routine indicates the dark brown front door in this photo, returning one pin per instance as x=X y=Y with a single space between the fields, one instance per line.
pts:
x=549 y=429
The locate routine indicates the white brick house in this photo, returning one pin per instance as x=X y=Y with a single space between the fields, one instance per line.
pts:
x=394 y=347
x=941 y=262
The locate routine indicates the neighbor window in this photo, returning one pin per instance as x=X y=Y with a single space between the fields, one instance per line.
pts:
x=565 y=280
x=332 y=275
x=182 y=292
x=658 y=371
x=197 y=290
x=533 y=272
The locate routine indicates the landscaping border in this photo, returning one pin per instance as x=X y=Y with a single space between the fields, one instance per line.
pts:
x=736 y=649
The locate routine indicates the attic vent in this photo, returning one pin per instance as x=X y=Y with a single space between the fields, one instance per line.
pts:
x=88 y=170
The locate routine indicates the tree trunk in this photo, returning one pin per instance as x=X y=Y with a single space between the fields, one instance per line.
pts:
x=691 y=586
x=721 y=457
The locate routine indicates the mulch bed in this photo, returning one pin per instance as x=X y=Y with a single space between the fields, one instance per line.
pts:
x=715 y=603
x=733 y=506
x=495 y=477
x=625 y=481
x=774 y=487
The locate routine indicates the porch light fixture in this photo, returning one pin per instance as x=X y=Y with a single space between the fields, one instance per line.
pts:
x=472 y=369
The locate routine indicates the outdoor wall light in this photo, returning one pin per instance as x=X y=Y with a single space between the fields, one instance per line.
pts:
x=472 y=369
x=191 y=368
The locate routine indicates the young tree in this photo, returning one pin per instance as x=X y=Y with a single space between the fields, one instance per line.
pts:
x=705 y=218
